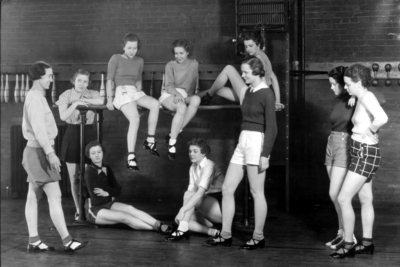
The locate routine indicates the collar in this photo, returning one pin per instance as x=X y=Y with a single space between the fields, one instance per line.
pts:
x=262 y=85
x=97 y=167
x=202 y=163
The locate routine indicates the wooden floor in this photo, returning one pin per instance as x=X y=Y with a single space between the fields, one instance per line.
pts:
x=292 y=239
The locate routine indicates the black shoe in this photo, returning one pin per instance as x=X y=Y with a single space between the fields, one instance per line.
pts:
x=259 y=244
x=167 y=231
x=206 y=99
x=152 y=147
x=178 y=236
x=219 y=241
x=343 y=252
x=131 y=164
x=171 y=155
x=72 y=250
x=361 y=249
x=166 y=139
x=35 y=248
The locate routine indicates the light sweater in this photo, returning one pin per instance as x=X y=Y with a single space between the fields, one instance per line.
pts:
x=125 y=71
x=183 y=76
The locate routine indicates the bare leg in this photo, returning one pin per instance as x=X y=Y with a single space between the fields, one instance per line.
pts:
x=31 y=209
x=131 y=113
x=135 y=213
x=336 y=176
x=193 y=103
x=351 y=186
x=154 y=107
x=107 y=217
x=233 y=177
x=256 y=181
x=367 y=209
x=74 y=178
x=53 y=193
x=199 y=224
x=177 y=121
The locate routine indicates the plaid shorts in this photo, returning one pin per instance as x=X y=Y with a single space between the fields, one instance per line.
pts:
x=365 y=159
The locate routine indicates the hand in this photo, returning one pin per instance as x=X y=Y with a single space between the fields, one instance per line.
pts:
x=80 y=102
x=110 y=105
x=179 y=216
x=100 y=192
x=54 y=161
x=178 y=98
x=279 y=106
x=351 y=102
x=264 y=164
x=374 y=137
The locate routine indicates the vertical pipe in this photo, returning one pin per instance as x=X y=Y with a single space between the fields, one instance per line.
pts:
x=16 y=89
x=2 y=89
x=82 y=216
x=22 y=89
x=54 y=90
x=287 y=88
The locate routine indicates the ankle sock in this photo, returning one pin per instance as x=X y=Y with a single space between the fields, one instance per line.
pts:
x=67 y=240
x=212 y=231
x=226 y=235
x=171 y=143
x=150 y=139
x=258 y=236
x=183 y=226
x=131 y=156
x=34 y=239
x=348 y=245
x=367 y=241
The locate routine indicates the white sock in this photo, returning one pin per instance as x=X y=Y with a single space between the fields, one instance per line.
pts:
x=131 y=156
x=41 y=246
x=150 y=139
x=171 y=143
x=73 y=245
x=183 y=226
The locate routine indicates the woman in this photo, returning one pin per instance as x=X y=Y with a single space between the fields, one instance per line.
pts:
x=41 y=162
x=365 y=160
x=337 y=158
x=67 y=104
x=253 y=152
x=254 y=44
x=202 y=200
x=126 y=72
x=103 y=188
x=181 y=77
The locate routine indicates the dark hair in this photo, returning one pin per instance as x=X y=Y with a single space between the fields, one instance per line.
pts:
x=338 y=74
x=358 y=72
x=255 y=36
x=93 y=144
x=202 y=143
x=80 y=72
x=182 y=43
x=255 y=65
x=38 y=69
x=131 y=37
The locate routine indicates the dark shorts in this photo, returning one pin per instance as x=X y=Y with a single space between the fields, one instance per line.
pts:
x=38 y=167
x=218 y=197
x=365 y=159
x=71 y=148
x=338 y=150
x=91 y=214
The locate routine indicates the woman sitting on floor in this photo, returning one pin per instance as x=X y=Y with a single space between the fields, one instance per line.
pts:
x=103 y=188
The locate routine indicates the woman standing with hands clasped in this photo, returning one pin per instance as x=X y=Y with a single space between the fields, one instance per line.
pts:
x=125 y=71
x=67 y=104
x=252 y=152
x=365 y=160
x=40 y=161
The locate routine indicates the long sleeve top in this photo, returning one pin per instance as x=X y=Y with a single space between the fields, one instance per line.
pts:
x=183 y=76
x=104 y=179
x=267 y=66
x=206 y=175
x=341 y=114
x=38 y=124
x=125 y=71
x=258 y=111
x=368 y=114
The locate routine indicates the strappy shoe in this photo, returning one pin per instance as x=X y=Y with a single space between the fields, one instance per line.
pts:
x=131 y=164
x=76 y=216
x=335 y=241
x=206 y=99
x=256 y=244
x=361 y=249
x=171 y=155
x=80 y=246
x=344 y=252
x=178 y=236
x=152 y=147
x=36 y=248
x=168 y=230
x=219 y=241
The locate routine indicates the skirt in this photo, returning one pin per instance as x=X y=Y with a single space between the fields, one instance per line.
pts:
x=38 y=167
x=70 y=148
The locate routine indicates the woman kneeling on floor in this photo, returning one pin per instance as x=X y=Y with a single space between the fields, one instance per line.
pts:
x=103 y=188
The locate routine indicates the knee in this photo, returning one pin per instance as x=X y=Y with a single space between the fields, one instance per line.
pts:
x=154 y=105
x=342 y=199
x=195 y=101
x=227 y=191
x=365 y=199
x=134 y=120
x=181 y=108
x=257 y=193
x=32 y=198
x=54 y=198
x=333 y=196
x=228 y=68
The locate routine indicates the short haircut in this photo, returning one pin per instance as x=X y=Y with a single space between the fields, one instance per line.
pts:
x=255 y=36
x=202 y=144
x=255 y=65
x=358 y=72
x=338 y=74
x=38 y=69
x=182 y=43
x=93 y=143
x=131 y=37
x=80 y=72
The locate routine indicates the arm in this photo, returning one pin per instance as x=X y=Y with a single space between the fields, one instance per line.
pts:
x=194 y=199
x=275 y=85
x=170 y=80
x=111 y=70
x=113 y=187
x=95 y=98
x=372 y=106
x=270 y=124
x=352 y=101
x=139 y=84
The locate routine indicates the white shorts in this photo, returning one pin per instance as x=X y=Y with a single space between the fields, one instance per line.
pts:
x=248 y=151
x=125 y=94
x=165 y=95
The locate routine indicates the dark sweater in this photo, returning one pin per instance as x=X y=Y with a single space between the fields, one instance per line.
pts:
x=258 y=111
x=108 y=183
x=341 y=114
